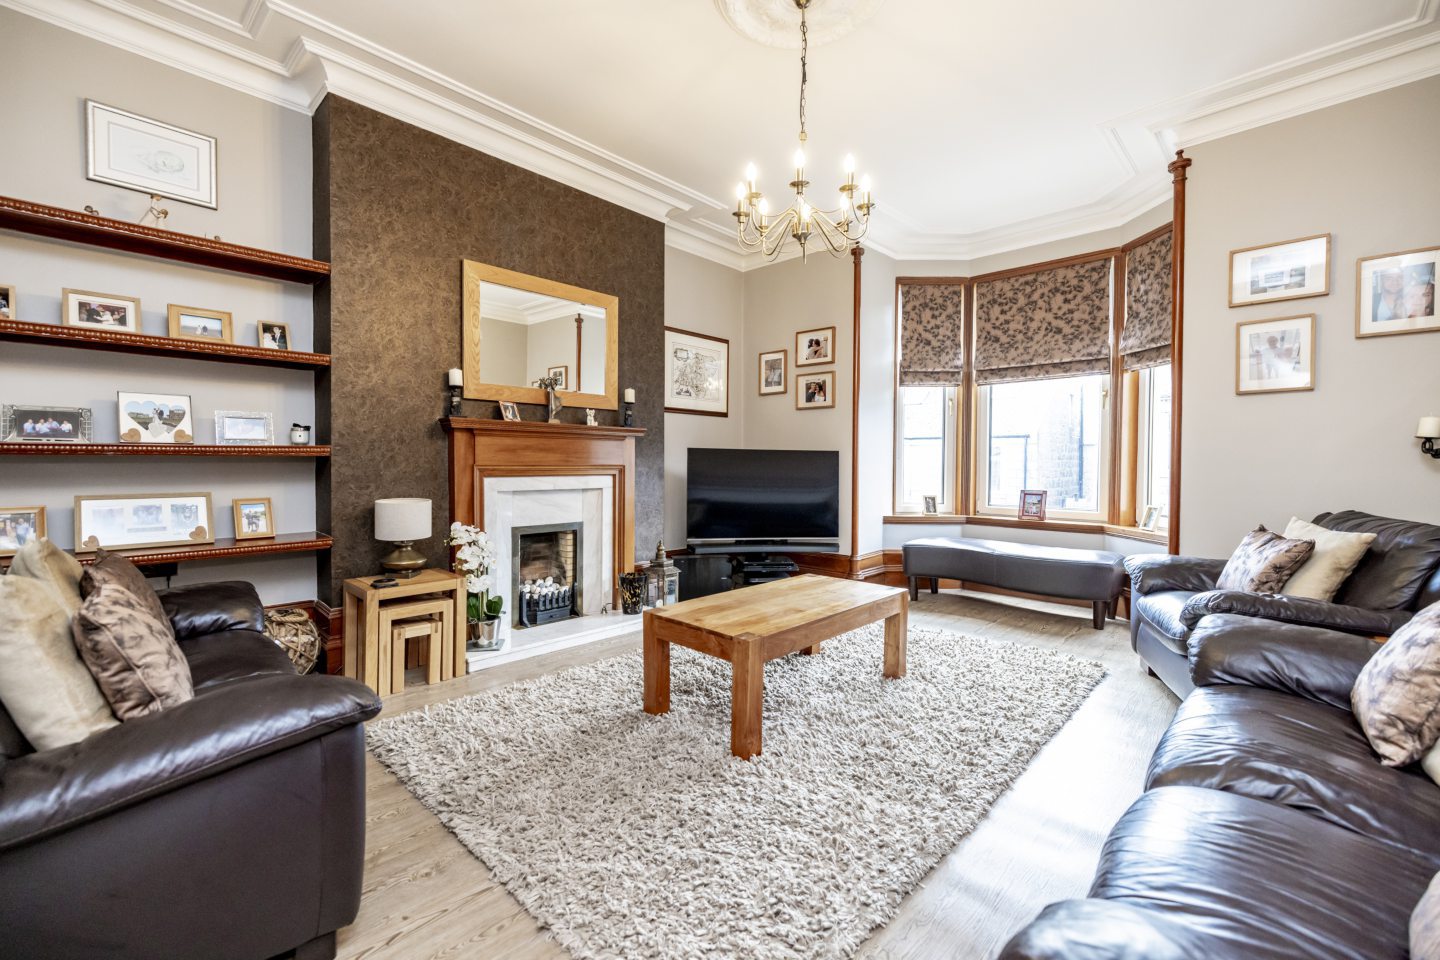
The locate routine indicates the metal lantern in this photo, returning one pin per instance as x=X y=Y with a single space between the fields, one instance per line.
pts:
x=662 y=579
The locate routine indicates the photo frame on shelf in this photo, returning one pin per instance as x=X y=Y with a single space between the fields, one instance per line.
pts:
x=19 y=526
x=1032 y=504
x=254 y=518
x=814 y=391
x=1395 y=293
x=1275 y=356
x=136 y=520
x=1289 y=270
x=1149 y=517
x=127 y=150
x=154 y=418
x=772 y=377
x=697 y=373
x=198 y=323
x=244 y=428
x=8 y=296
x=930 y=502
x=508 y=411
x=814 y=348
x=33 y=423
x=99 y=311
x=272 y=335
x=563 y=372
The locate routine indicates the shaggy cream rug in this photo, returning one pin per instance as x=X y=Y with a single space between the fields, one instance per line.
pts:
x=632 y=836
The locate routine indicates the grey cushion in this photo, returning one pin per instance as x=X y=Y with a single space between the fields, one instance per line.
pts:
x=1163 y=610
x=1053 y=571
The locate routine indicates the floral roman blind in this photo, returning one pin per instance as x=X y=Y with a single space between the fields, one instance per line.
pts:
x=932 y=347
x=1145 y=338
x=1048 y=323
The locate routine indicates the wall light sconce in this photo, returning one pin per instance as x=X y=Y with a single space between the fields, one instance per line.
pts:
x=1427 y=433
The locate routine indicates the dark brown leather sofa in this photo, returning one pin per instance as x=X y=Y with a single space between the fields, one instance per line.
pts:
x=1269 y=828
x=230 y=827
x=1170 y=595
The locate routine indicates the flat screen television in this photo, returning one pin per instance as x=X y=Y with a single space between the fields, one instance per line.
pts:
x=758 y=500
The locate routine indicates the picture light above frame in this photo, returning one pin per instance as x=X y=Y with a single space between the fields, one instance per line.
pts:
x=516 y=328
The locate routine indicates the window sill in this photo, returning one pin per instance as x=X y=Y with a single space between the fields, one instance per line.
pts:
x=1136 y=533
x=1094 y=527
x=950 y=518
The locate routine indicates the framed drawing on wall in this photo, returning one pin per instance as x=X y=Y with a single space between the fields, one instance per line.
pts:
x=1395 y=293
x=815 y=347
x=772 y=372
x=1275 y=356
x=135 y=152
x=697 y=373
x=1288 y=270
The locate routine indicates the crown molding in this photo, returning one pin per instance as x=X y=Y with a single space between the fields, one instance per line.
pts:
x=322 y=58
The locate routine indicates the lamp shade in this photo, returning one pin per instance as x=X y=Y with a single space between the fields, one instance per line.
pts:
x=1429 y=428
x=402 y=518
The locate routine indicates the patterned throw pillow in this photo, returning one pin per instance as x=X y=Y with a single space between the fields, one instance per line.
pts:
x=132 y=654
x=1396 y=697
x=116 y=569
x=1425 y=924
x=1263 y=562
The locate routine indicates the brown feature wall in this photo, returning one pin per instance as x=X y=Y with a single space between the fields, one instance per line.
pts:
x=397 y=209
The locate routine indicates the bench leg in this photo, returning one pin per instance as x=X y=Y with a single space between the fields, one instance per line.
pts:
x=914 y=588
x=1100 y=608
x=934 y=584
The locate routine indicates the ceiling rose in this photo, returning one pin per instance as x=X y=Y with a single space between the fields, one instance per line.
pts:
x=776 y=23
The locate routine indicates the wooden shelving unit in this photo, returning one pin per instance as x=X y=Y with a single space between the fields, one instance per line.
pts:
x=222 y=549
x=73 y=226
x=61 y=224
x=62 y=449
x=121 y=341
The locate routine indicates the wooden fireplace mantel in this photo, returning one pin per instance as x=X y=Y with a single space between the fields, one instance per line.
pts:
x=480 y=449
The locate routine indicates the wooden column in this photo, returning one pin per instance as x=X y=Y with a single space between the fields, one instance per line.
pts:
x=579 y=350
x=1177 y=168
x=855 y=253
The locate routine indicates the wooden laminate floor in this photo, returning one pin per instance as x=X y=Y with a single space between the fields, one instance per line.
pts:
x=425 y=896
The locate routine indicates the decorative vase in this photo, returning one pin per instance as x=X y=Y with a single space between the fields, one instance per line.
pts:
x=485 y=634
x=632 y=592
x=554 y=400
x=300 y=436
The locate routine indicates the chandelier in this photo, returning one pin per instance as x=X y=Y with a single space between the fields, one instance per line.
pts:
x=840 y=228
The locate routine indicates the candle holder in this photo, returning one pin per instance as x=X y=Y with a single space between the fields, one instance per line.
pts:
x=629 y=414
x=454 y=406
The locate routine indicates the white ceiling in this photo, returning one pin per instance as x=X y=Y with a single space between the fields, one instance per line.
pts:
x=986 y=124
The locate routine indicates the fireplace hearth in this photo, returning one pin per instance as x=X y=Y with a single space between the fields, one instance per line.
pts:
x=546 y=579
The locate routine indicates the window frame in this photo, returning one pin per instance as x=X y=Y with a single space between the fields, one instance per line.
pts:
x=1144 y=444
x=980 y=440
x=949 y=500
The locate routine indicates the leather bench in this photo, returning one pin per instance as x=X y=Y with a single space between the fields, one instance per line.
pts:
x=1094 y=575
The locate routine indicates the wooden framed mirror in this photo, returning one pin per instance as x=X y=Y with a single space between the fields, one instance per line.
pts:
x=519 y=328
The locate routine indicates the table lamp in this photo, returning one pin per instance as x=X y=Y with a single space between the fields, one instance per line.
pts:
x=402 y=521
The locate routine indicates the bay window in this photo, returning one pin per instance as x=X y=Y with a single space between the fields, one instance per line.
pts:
x=925 y=448
x=1152 y=471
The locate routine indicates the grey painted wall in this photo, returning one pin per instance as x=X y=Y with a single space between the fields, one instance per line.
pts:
x=1364 y=172
x=264 y=194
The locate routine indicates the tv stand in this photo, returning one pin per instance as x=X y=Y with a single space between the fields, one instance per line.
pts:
x=750 y=569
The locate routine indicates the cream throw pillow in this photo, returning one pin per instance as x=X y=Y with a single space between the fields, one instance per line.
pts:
x=1425 y=924
x=48 y=690
x=1430 y=763
x=43 y=561
x=1335 y=558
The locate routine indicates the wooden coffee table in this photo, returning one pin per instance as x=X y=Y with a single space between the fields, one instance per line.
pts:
x=755 y=624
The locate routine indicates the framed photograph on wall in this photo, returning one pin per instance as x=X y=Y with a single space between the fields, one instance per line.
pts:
x=772 y=373
x=19 y=526
x=814 y=391
x=697 y=373
x=1395 y=293
x=197 y=323
x=7 y=301
x=120 y=521
x=244 y=429
x=815 y=348
x=99 y=311
x=127 y=150
x=30 y=423
x=154 y=418
x=271 y=335
x=563 y=372
x=254 y=518
x=1032 y=504
x=1275 y=356
x=1288 y=270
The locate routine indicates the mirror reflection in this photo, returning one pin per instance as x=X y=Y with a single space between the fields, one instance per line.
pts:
x=525 y=336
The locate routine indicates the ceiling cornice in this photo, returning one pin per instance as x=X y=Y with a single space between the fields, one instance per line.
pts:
x=322 y=58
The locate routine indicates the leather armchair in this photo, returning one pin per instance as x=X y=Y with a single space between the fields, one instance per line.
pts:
x=229 y=826
x=1171 y=596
